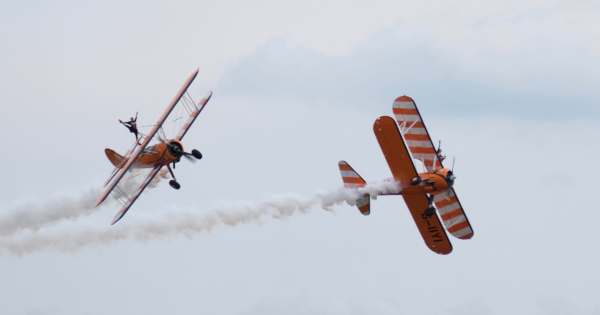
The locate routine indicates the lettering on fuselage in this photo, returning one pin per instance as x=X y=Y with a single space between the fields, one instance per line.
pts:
x=434 y=231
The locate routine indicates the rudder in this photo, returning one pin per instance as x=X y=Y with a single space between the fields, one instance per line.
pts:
x=352 y=179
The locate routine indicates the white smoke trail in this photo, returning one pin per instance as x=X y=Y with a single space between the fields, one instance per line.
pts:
x=34 y=216
x=188 y=224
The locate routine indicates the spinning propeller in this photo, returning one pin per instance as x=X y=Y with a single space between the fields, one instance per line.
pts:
x=178 y=151
x=450 y=178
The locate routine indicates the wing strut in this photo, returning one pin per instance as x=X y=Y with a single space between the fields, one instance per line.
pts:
x=193 y=115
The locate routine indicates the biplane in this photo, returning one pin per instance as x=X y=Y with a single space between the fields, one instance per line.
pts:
x=155 y=157
x=402 y=140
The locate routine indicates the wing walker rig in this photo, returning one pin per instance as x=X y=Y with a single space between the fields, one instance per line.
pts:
x=403 y=139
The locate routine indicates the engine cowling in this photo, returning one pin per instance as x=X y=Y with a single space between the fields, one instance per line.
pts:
x=175 y=148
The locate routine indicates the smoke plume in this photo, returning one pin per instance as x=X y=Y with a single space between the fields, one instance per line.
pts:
x=190 y=224
x=34 y=216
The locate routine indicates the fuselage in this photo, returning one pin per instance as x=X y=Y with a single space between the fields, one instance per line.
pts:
x=429 y=183
x=162 y=153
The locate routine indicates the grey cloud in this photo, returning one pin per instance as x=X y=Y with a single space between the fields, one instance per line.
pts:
x=393 y=62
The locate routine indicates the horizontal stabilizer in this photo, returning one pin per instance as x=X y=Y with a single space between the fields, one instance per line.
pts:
x=115 y=158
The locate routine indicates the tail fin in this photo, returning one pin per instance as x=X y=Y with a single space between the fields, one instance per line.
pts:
x=115 y=158
x=351 y=179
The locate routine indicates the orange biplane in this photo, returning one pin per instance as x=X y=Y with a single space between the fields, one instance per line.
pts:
x=401 y=141
x=165 y=153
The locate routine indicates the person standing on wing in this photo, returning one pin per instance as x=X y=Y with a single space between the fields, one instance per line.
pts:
x=131 y=125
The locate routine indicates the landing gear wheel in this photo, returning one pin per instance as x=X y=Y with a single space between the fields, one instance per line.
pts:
x=429 y=212
x=174 y=184
x=197 y=154
x=416 y=180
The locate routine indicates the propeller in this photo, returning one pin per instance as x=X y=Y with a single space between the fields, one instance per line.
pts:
x=453 y=160
x=177 y=150
x=189 y=157
x=450 y=175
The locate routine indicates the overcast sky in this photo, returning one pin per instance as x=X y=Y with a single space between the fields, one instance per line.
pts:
x=511 y=88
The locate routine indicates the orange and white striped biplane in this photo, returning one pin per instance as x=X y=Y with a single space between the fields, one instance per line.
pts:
x=164 y=153
x=401 y=141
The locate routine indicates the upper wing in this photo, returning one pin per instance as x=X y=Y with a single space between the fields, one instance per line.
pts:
x=146 y=139
x=422 y=148
x=128 y=201
x=415 y=133
x=403 y=169
x=193 y=114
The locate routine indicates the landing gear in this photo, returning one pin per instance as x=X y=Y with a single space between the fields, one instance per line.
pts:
x=174 y=184
x=430 y=210
x=197 y=154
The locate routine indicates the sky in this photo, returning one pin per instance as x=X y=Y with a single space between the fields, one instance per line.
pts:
x=510 y=87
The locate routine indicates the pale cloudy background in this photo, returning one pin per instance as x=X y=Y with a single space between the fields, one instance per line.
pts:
x=510 y=86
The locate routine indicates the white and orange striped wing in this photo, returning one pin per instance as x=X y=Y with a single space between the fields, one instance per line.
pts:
x=454 y=217
x=415 y=133
x=421 y=147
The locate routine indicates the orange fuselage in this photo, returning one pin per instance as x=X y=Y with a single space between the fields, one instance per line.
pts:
x=159 y=154
x=429 y=183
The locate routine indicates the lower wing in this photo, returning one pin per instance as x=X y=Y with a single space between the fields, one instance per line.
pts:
x=453 y=215
x=130 y=200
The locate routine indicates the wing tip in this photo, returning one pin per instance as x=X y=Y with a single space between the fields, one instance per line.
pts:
x=100 y=200
x=203 y=101
x=443 y=250
x=208 y=96
x=117 y=217
x=468 y=236
x=383 y=120
x=404 y=98
x=193 y=74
